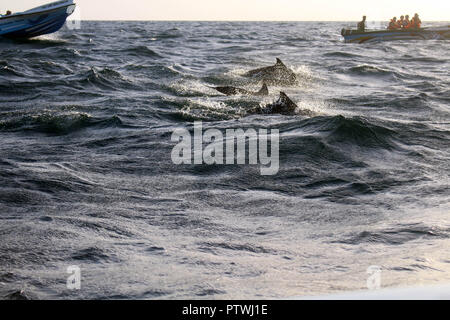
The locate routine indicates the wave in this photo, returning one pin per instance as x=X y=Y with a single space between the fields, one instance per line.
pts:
x=58 y=124
x=93 y=78
x=340 y=54
x=33 y=70
x=104 y=79
x=107 y=74
x=49 y=67
x=413 y=58
x=93 y=254
x=369 y=70
x=173 y=33
x=209 y=110
x=297 y=39
x=418 y=102
x=357 y=131
x=398 y=235
x=213 y=246
x=36 y=43
x=13 y=196
x=61 y=52
x=153 y=71
x=141 y=51
x=7 y=70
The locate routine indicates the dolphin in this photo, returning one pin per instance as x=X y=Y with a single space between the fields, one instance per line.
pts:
x=284 y=105
x=232 y=91
x=277 y=74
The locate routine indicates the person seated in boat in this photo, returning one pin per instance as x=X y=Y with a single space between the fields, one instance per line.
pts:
x=362 y=24
x=8 y=13
x=416 y=23
x=393 y=24
x=406 y=22
x=400 y=22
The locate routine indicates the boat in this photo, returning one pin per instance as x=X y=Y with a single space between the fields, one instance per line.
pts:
x=38 y=21
x=435 y=33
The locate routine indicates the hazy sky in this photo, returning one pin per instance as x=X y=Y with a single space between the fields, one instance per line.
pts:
x=298 y=10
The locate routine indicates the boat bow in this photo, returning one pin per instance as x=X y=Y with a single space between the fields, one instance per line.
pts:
x=38 y=21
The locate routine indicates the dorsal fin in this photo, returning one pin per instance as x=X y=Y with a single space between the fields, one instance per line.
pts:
x=279 y=62
x=287 y=102
x=264 y=90
x=283 y=97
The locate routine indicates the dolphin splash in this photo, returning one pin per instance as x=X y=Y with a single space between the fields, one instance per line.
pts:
x=277 y=74
x=284 y=106
x=232 y=91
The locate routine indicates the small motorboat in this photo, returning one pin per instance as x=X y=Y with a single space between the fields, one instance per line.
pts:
x=45 y=19
x=435 y=33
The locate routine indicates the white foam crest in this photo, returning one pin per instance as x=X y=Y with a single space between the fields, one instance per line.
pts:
x=56 y=37
x=209 y=109
x=236 y=72
x=320 y=107
x=190 y=87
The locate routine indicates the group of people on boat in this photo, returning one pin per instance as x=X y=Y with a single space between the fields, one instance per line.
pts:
x=405 y=23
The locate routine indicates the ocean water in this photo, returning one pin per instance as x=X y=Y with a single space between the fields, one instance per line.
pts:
x=86 y=177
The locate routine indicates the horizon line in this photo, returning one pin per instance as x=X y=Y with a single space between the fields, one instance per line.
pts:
x=175 y=20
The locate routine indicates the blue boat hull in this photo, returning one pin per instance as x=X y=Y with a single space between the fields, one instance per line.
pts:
x=353 y=36
x=35 y=24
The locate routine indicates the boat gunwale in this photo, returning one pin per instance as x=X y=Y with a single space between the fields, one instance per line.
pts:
x=350 y=32
x=22 y=14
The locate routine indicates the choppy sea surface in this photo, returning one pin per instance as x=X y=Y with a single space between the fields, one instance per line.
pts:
x=86 y=177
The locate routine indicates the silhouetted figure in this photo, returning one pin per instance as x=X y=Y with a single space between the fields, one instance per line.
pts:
x=393 y=24
x=416 y=23
x=362 y=25
x=406 y=22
